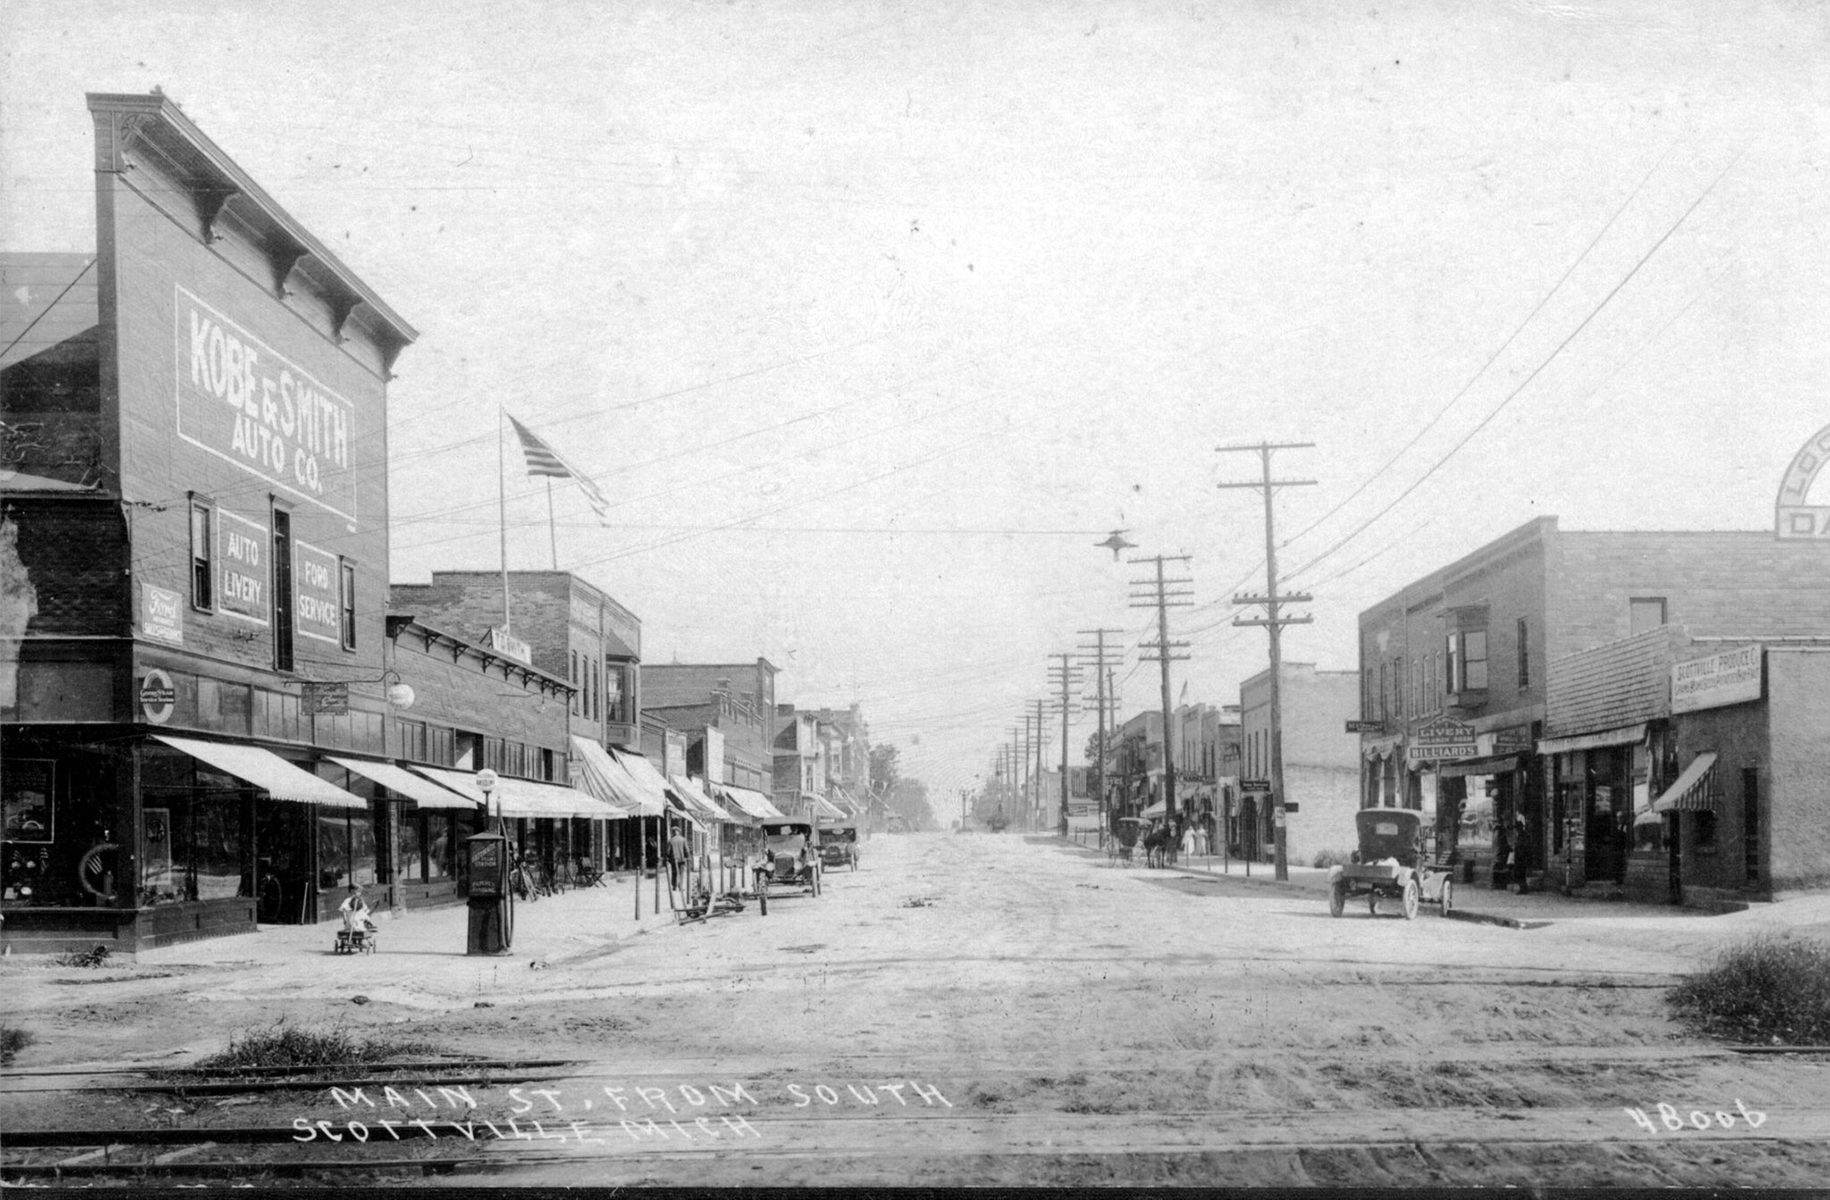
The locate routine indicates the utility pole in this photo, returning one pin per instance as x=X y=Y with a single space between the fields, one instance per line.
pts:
x=1033 y=794
x=1274 y=621
x=1163 y=601
x=1099 y=685
x=1066 y=675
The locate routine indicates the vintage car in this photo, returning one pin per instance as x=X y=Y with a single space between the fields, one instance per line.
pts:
x=839 y=846
x=1390 y=862
x=789 y=863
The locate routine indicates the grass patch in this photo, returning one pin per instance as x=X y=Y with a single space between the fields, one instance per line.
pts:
x=1774 y=989
x=284 y=1044
x=12 y=1041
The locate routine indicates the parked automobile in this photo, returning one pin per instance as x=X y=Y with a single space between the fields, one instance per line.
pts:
x=1390 y=862
x=839 y=846
x=789 y=864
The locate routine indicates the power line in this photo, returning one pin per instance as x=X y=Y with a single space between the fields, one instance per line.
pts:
x=1535 y=372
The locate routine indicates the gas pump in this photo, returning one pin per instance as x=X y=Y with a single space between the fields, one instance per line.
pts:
x=492 y=911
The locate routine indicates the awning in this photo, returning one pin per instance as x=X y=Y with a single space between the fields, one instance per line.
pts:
x=422 y=792
x=1690 y=791
x=604 y=778
x=530 y=798
x=695 y=795
x=1626 y=735
x=677 y=807
x=649 y=783
x=1155 y=810
x=754 y=803
x=464 y=783
x=818 y=806
x=1382 y=748
x=1499 y=764
x=266 y=771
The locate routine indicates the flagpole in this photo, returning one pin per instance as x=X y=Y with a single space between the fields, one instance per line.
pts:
x=502 y=511
x=552 y=537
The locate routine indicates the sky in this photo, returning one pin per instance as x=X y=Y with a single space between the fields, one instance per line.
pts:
x=871 y=319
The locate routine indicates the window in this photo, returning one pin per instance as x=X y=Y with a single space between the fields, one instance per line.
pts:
x=1384 y=691
x=1524 y=658
x=282 y=590
x=468 y=752
x=1474 y=656
x=1451 y=660
x=1368 y=709
x=346 y=602
x=573 y=680
x=203 y=567
x=1398 y=688
x=1645 y=612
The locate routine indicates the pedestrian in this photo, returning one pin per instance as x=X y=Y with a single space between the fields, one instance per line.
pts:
x=679 y=851
x=1519 y=845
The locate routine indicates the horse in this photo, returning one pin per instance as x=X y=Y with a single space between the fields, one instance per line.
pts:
x=1156 y=845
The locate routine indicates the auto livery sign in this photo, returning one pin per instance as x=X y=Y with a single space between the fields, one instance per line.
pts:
x=241 y=400
x=241 y=567
x=1728 y=678
x=1442 y=739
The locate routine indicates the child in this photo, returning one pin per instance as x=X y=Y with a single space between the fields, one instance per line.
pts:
x=356 y=908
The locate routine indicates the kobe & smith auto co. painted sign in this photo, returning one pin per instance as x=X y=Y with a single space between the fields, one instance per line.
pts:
x=242 y=400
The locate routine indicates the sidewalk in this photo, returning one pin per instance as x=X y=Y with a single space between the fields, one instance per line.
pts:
x=1471 y=902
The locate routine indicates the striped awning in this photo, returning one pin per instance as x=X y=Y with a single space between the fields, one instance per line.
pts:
x=754 y=803
x=650 y=784
x=1690 y=792
x=604 y=778
x=703 y=804
x=1380 y=748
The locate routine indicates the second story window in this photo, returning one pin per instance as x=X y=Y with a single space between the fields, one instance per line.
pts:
x=203 y=564
x=1644 y=613
x=346 y=602
x=1474 y=660
x=1524 y=657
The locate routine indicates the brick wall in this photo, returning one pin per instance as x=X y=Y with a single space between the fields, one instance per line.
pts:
x=1797 y=790
x=454 y=687
x=73 y=552
x=1726 y=583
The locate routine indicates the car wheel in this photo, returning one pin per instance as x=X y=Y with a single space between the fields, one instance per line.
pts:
x=762 y=899
x=1337 y=899
x=1448 y=892
x=1372 y=903
x=1410 y=899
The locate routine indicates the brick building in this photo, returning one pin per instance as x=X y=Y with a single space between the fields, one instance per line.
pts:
x=727 y=713
x=1321 y=764
x=1454 y=667
x=567 y=629
x=1690 y=770
x=193 y=505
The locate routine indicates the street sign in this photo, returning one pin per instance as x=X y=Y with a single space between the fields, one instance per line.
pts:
x=1254 y=785
x=1366 y=727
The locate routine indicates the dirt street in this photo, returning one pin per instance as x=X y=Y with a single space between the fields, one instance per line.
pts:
x=975 y=1010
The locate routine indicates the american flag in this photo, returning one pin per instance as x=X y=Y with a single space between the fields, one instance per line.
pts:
x=542 y=459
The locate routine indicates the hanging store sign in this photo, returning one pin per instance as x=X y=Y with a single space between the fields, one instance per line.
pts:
x=1510 y=741
x=1366 y=727
x=1732 y=677
x=1792 y=517
x=161 y=615
x=325 y=699
x=241 y=567
x=243 y=401
x=1254 y=785
x=158 y=698
x=316 y=579
x=1442 y=739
